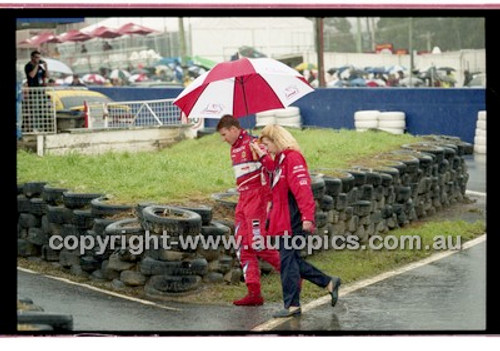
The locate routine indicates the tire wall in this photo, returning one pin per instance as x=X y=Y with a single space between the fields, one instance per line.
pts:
x=372 y=204
x=445 y=111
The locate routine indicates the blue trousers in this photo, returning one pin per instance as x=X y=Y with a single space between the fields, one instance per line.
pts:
x=293 y=268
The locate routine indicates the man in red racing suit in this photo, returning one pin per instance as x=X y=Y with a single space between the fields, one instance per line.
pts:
x=251 y=210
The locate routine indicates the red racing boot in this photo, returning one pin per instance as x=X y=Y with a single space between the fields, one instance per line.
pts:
x=253 y=297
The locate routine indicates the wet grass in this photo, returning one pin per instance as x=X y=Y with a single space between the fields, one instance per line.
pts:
x=191 y=170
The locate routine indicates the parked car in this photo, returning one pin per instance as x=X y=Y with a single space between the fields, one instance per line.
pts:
x=70 y=105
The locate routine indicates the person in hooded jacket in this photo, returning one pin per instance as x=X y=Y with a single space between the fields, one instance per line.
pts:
x=292 y=213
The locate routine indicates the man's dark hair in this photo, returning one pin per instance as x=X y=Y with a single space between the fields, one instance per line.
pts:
x=228 y=121
x=35 y=52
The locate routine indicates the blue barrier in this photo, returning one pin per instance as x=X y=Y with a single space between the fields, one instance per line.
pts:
x=428 y=110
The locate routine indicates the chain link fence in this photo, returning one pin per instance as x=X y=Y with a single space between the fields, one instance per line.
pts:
x=38 y=112
x=134 y=113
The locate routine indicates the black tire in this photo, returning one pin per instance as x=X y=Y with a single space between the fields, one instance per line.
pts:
x=90 y=263
x=321 y=219
x=101 y=208
x=53 y=196
x=227 y=199
x=184 y=222
x=23 y=204
x=125 y=226
x=38 y=207
x=317 y=187
x=59 y=215
x=341 y=202
x=392 y=172
x=362 y=208
x=174 y=284
x=59 y=322
x=100 y=225
x=140 y=206
x=33 y=189
x=215 y=229
x=37 y=237
x=327 y=203
x=347 y=182
x=366 y=192
x=83 y=219
x=333 y=186
x=151 y=266
x=205 y=212
x=28 y=220
x=78 y=200
x=359 y=177
x=27 y=249
x=403 y=193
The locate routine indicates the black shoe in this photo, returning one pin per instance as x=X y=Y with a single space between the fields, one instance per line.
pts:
x=287 y=312
x=335 y=291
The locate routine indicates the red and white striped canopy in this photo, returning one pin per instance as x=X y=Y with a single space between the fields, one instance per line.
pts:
x=242 y=87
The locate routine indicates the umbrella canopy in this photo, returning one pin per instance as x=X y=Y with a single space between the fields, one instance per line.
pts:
x=414 y=81
x=242 y=87
x=57 y=66
x=45 y=37
x=140 y=77
x=93 y=78
x=119 y=73
x=132 y=28
x=104 y=32
x=447 y=69
x=357 y=82
x=74 y=35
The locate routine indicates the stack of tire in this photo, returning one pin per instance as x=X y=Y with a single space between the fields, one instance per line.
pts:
x=289 y=117
x=366 y=119
x=286 y=117
x=264 y=118
x=392 y=122
x=480 y=137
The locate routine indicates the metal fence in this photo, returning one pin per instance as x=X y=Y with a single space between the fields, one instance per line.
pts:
x=38 y=112
x=134 y=113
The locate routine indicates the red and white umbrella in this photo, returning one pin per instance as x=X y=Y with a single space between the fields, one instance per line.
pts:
x=139 y=77
x=242 y=87
x=93 y=78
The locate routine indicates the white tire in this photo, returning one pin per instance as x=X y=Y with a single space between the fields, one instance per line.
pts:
x=481 y=115
x=481 y=124
x=287 y=112
x=401 y=124
x=295 y=121
x=480 y=149
x=264 y=121
x=367 y=115
x=478 y=140
x=269 y=113
x=393 y=130
x=366 y=124
x=480 y=132
x=391 y=116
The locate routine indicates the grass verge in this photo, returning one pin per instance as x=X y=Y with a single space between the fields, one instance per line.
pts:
x=191 y=170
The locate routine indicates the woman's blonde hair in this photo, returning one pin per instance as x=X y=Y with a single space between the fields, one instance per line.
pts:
x=280 y=137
